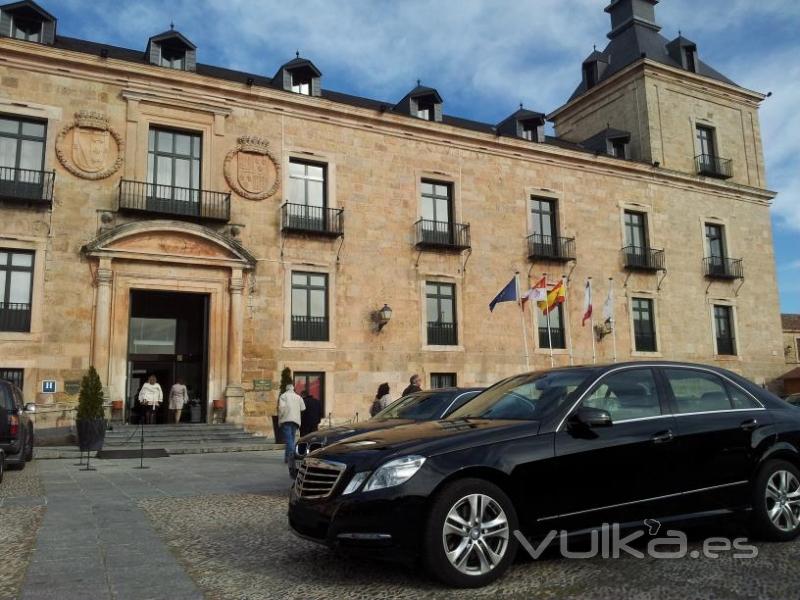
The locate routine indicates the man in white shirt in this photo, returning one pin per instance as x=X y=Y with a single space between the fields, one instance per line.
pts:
x=290 y=408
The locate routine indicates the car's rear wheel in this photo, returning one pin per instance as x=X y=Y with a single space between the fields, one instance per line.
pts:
x=469 y=536
x=776 y=502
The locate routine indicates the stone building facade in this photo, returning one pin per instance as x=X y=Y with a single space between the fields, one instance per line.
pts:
x=162 y=214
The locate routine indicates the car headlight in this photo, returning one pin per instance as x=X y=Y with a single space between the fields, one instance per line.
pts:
x=394 y=472
x=355 y=482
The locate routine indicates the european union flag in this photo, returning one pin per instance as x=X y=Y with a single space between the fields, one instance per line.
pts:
x=507 y=294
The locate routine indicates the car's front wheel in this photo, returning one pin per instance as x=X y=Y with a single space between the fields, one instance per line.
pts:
x=469 y=536
x=776 y=501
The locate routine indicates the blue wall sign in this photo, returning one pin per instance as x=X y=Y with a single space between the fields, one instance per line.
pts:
x=49 y=386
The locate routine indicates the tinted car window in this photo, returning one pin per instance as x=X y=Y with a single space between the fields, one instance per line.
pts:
x=525 y=397
x=630 y=394
x=422 y=406
x=740 y=398
x=6 y=397
x=461 y=401
x=697 y=391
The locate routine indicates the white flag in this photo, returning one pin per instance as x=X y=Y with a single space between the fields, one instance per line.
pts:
x=608 y=306
x=587 y=302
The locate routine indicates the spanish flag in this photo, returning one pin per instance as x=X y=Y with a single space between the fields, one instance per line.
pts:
x=557 y=295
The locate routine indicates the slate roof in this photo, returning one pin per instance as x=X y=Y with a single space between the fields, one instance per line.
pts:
x=790 y=322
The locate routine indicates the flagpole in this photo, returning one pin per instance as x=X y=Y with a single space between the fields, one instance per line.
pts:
x=591 y=322
x=613 y=320
x=566 y=323
x=522 y=320
x=547 y=314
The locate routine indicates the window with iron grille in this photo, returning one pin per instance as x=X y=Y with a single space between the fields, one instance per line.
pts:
x=443 y=380
x=636 y=230
x=310 y=307
x=723 y=328
x=437 y=212
x=15 y=376
x=308 y=194
x=16 y=287
x=22 y=144
x=705 y=141
x=555 y=334
x=644 y=328
x=441 y=313
x=174 y=167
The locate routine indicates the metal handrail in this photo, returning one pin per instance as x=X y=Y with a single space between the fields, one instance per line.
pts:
x=551 y=247
x=719 y=267
x=312 y=219
x=27 y=185
x=442 y=234
x=643 y=258
x=177 y=201
x=708 y=164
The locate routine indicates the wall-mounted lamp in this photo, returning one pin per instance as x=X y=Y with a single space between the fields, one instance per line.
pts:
x=383 y=316
x=250 y=81
x=103 y=52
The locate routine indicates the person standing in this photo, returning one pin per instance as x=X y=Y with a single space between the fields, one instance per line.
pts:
x=382 y=399
x=178 y=396
x=414 y=385
x=311 y=416
x=150 y=397
x=290 y=409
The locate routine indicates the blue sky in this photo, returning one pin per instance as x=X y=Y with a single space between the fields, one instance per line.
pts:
x=484 y=57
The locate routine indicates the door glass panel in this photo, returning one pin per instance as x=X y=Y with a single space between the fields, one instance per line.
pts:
x=2 y=285
x=315 y=193
x=31 y=155
x=297 y=191
x=317 y=308
x=431 y=309
x=299 y=303
x=630 y=394
x=8 y=155
x=696 y=391
x=164 y=171
x=164 y=141
x=152 y=336
x=446 y=310
x=183 y=174
x=19 y=259
x=32 y=129
x=9 y=126
x=20 y=291
x=183 y=144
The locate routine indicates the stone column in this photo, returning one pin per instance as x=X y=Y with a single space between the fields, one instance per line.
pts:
x=102 y=319
x=234 y=392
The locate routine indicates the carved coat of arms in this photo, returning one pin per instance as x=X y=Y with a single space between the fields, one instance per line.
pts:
x=89 y=147
x=251 y=170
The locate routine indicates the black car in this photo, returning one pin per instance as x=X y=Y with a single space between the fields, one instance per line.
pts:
x=16 y=426
x=567 y=449
x=427 y=405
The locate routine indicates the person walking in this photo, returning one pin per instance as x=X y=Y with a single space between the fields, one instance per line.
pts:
x=178 y=396
x=150 y=397
x=290 y=409
x=382 y=399
x=413 y=385
x=311 y=416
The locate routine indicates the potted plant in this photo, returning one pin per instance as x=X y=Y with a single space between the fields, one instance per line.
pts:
x=286 y=379
x=90 y=421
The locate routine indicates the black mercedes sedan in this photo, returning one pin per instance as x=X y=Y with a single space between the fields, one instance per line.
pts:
x=568 y=450
x=428 y=405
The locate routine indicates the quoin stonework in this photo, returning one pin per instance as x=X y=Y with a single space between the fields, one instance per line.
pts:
x=167 y=216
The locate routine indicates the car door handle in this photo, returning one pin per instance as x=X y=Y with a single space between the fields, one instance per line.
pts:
x=663 y=437
x=749 y=425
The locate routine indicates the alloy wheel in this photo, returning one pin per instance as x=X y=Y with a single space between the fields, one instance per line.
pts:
x=475 y=534
x=783 y=500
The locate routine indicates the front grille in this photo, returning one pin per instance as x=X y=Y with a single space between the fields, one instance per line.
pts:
x=317 y=478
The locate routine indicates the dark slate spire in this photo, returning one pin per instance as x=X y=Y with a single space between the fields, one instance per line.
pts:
x=627 y=13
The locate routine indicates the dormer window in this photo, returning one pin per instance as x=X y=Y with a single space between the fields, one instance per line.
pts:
x=26 y=29
x=425 y=109
x=689 y=58
x=172 y=50
x=619 y=148
x=300 y=76
x=173 y=58
x=528 y=131
x=301 y=83
x=590 y=75
x=525 y=124
x=422 y=102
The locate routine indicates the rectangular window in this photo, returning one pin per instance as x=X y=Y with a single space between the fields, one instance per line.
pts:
x=545 y=237
x=443 y=380
x=173 y=58
x=529 y=131
x=21 y=153
x=16 y=287
x=644 y=328
x=618 y=148
x=705 y=143
x=173 y=167
x=425 y=109
x=715 y=249
x=696 y=391
x=691 y=64
x=301 y=84
x=312 y=384
x=152 y=336
x=310 y=307
x=636 y=230
x=308 y=195
x=626 y=395
x=15 y=376
x=441 y=313
x=554 y=334
x=437 y=212
x=723 y=327
x=29 y=30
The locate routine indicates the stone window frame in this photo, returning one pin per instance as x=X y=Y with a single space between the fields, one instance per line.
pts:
x=459 y=312
x=709 y=123
x=654 y=297
x=39 y=249
x=648 y=211
x=311 y=156
x=288 y=342
x=444 y=177
x=732 y=303
x=544 y=194
x=51 y=116
x=726 y=230
x=328 y=369
x=544 y=350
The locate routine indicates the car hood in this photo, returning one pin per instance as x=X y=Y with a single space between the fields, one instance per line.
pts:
x=335 y=434
x=426 y=439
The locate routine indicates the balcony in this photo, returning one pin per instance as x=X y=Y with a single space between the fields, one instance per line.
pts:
x=714 y=166
x=717 y=267
x=645 y=341
x=309 y=329
x=442 y=235
x=312 y=220
x=548 y=247
x=556 y=335
x=442 y=334
x=186 y=203
x=638 y=258
x=26 y=186
x=15 y=317
x=726 y=346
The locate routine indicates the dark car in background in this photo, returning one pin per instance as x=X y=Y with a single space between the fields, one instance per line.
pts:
x=793 y=399
x=16 y=426
x=568 y=449
x=428 y=405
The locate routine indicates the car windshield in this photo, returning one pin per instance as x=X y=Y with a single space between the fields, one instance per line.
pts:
x=422 y=406
x=525 y=397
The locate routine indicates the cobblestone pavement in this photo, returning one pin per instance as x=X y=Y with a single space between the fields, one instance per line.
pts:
x=239 y=547
x=21 y=511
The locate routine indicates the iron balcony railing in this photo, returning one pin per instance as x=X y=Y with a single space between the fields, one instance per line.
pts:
x=26 y=185
x=15 y=317
x=645 y=341
x=714 y=166
x=315 y=220
x=139 y=196
x=556 y=335
x=442 y=334
x=643 y=259
x=443 y=235
x=309 y=329
x=548 y=247
x=726 y=346
x=718 y=267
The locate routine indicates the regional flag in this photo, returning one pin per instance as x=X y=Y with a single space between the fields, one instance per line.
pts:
x=507 y=294
x=587 y=302
x=537 y=292
x=555 y=296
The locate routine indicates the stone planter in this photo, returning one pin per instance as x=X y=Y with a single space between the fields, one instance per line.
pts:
x=91 y=434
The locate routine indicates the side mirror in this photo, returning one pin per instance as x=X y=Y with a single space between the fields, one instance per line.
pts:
x=30 y=407
x=593 y=417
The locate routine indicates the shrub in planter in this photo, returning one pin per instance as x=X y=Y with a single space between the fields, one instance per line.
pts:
x=90 y=421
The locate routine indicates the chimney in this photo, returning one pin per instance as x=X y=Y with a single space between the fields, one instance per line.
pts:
x=625 y=13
